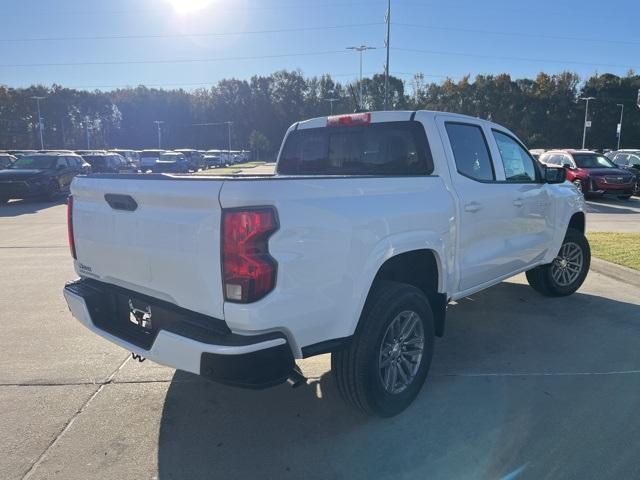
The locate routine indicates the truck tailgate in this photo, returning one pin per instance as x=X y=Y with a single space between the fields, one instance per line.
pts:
x=168 y=247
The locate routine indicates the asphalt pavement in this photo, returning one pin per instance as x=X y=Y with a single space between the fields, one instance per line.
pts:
x=521 y=386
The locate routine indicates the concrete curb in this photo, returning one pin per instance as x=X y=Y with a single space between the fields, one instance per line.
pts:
x=618 y=272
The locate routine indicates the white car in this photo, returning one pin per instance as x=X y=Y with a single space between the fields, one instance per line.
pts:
x=373 y=223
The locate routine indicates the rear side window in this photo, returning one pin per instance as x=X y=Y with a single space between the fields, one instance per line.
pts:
x=386 y=148
x=470 y=151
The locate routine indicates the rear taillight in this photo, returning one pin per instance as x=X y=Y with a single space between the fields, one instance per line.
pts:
x=72 y=243
x=349 y=120
x=248 y=271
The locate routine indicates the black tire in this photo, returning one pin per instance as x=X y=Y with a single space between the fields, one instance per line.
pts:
x=3 y=200
x=542 y=278
x=624 y=197
x=356 y=368
x=53 y=191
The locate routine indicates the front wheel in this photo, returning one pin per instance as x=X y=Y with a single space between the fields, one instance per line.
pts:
x=383 y=369
x=568 y=270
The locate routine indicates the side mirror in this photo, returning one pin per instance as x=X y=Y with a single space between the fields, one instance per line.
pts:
x=554 y=175
x=567 y=165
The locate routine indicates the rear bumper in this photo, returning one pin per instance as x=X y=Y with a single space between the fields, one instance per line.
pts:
x=182 y=341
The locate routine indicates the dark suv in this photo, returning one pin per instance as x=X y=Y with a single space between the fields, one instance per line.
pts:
x=39 y=175
x=109 y=163
x=629 y=160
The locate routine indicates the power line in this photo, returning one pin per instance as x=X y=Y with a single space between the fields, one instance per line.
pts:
x=189 y=35
x=516 y=34
x=192 y=60
x=163 y=11
x=523 y=59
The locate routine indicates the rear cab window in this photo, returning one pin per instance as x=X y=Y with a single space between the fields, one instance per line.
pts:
x=382 y=148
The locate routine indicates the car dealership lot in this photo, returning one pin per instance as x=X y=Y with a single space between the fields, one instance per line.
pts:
x=551 y=391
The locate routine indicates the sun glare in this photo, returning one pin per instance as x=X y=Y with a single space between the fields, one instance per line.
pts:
x=189 y=6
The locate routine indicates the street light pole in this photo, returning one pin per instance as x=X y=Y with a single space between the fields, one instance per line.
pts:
x=361 y=49
x=620 y=124
x=586 y=115
x=387 y=44
x=331 y=101
x=37 y=99
x=159 y=127
x=86 y=130
x=229 y=132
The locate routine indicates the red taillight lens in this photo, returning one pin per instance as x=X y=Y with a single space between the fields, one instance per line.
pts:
x=248 y=271
x=72 y=243
x=349 y=120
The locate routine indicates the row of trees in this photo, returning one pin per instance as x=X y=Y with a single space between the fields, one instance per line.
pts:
x=545 y=111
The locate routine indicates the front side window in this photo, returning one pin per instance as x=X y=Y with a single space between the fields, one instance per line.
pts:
x=518 y=164
x=470 y=151
x=385 y=148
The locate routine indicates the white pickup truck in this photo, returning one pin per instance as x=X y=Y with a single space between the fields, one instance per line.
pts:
x=371 y=225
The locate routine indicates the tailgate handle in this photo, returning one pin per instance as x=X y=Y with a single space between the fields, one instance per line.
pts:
x=121 y=202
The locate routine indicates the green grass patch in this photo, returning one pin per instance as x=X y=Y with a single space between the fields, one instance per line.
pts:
x=620 y=248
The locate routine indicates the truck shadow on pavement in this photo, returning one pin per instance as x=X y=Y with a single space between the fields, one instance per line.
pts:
x=16 y=208
x=514 y=387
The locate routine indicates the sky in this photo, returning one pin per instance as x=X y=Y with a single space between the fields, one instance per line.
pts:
x=195 y=43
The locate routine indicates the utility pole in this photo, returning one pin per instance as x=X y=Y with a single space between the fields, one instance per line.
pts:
x=586 y=115
x=619 y=130
x=37 y=99
x=159 y=127
x=331 y=101
x=360 y=49
x=387 y=44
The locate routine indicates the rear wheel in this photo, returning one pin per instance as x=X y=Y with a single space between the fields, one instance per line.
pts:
x=568 y=270
x=383 y=369
x=53 y=191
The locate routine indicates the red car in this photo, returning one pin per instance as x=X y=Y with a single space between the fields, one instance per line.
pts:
x=593 y=173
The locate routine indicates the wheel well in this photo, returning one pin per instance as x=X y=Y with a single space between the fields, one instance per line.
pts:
x=420 y=269
x=577 y=222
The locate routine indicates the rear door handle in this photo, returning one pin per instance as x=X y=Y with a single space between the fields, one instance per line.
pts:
x=517 y=202
x=472 y=207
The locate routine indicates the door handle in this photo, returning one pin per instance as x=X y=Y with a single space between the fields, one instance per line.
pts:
x=517 y=202
x=472 y=207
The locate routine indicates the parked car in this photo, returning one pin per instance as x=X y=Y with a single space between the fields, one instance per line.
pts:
x=131 y=156
x=195 y=159
x=6 y=159
x=592 y=173
x=536 y=152
x=45 y=175
x=372 y=224
x=110 y=163
x=213 y=159
x=171 y=162
x=85 y=167
x=82 y=153
x=629 y=160
x=148 y=158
